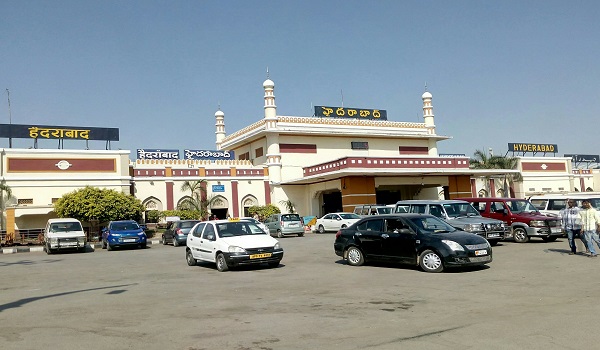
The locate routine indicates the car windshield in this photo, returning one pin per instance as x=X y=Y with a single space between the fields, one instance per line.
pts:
x=240 y=228
x=124 y=226
x=521 y=206
x=428 y=224
x=350 y=216
x=455 y=210
x=65 y=227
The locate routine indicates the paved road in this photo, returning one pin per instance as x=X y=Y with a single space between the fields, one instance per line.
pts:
x=533 y=296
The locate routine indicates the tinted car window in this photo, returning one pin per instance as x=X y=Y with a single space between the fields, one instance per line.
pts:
x=208 y=231
x=290 y=217
x=435 y=210
x=371 y=225
x=198 y=231
x=418 y=208
x=394 y=225
x=187 y=224
x=123 y=226
x=539 y=203
x=431 y=225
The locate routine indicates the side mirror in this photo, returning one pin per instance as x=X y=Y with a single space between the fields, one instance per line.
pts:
x=505 y=211
x=405 y=231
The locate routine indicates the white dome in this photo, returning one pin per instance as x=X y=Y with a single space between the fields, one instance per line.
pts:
x=219 y=114
x=427 y=94
x=268 y=83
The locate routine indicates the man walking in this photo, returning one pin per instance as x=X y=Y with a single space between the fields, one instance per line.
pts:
x=571 y=224
x=590 y=225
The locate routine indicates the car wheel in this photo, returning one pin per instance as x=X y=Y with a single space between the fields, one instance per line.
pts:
x=274 y=264
x=81 y=250
x=190 y=258
x=430 y=261
x=550 y=239
x=344 y=226
x=48 y=250
x=144 y=245
x=301 y=234
x=279 y=234
x=355 y=256
x=321 y=229
x=221 y=263
x=108 y=246
x=520 y=235
x=164 y=240
x=493 y=243
x=175 y=243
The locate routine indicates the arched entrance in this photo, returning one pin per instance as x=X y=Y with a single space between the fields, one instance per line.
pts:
x=331 y=201
x=219 y=206
x=247 y=202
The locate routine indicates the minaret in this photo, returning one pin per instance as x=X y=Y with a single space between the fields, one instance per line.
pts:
x=428 y=112
x=273 y=155
x=220 y=124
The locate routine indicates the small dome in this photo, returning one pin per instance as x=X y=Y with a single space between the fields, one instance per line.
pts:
x=219 y=113
x=427 y=94
x=268 y=83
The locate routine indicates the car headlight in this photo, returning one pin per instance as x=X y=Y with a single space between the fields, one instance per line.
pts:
x=453 y=245
x=81 y=240
x=537 y=223
x=236 y=249
x=471 y=227
x=141 y=233
x=115 y=234
x=277 y=246
x=54 y=240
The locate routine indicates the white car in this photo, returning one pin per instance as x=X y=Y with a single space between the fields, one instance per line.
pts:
x=336 y=221
x=230 y=243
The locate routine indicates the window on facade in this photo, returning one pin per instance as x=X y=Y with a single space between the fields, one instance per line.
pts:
x=25 y=201
x=258 y=152
x=244 y=156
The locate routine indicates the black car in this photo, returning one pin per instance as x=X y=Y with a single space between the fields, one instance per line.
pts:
x=416 y=239
x=177 y=232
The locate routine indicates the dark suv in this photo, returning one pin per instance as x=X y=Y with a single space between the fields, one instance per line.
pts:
x=177 y=232
x=524 y=219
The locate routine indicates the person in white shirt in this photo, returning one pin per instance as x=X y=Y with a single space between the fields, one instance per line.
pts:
x=571 y=224
x=590 y=225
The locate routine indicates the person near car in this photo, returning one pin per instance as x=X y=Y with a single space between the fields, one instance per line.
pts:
x=571 y=224
x=590 y=225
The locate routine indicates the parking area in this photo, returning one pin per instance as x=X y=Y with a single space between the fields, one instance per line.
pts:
x=532 y=296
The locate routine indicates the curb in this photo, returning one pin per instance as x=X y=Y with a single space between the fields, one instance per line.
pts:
x=91 y=247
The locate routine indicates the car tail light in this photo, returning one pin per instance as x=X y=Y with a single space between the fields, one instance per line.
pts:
x=281 y=223
x=338 y=234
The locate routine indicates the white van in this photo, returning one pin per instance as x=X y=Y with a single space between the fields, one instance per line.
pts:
x=553 y=203
x=65 y=233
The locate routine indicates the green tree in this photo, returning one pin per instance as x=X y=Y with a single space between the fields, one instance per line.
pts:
x=264 y=211
x=5 y=194
x=91 y=203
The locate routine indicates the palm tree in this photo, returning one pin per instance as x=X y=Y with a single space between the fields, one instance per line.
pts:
x=5 y=194
x=197 y=200
x=481 y=160
x=289 y=206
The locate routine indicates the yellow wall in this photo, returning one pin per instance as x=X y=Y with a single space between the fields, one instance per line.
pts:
x=357 y=190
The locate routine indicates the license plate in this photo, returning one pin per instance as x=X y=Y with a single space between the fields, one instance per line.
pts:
x=294 y=225
x=129 y=240
x=493 y=235
x=480 y=252
x=260 y=256
x=555 y=229
x=69 y=244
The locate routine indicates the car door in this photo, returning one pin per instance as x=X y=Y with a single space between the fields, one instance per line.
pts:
x=368 y=236
x=208 y=243
x=499 y=211
x=193 y=240
x=169 y=232
x=270 y=222
x=398 y=241
x=327 y=222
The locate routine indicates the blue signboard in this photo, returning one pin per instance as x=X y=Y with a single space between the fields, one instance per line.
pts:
x=218 y=188
x=157 y=154
x=208 y=155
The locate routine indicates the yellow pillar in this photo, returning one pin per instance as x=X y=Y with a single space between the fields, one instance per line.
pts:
x=357 y=190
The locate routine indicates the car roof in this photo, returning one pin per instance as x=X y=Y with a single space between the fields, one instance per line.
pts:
x=481 y=199
x=396 y=215
x=62 y=220
x=340 y=212
x=123 y=221
x=430 y=201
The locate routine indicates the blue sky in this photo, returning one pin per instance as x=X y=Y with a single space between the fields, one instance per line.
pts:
x=500 y=71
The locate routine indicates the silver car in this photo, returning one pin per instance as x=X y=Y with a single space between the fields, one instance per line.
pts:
x=285 y=224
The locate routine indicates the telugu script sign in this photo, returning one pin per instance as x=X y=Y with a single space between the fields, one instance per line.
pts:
x=532 y=147
x=208 y=155
x=58 y=132
x=356 y=113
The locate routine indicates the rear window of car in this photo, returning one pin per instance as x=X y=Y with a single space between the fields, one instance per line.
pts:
x=188 y=224
x=290 y=217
